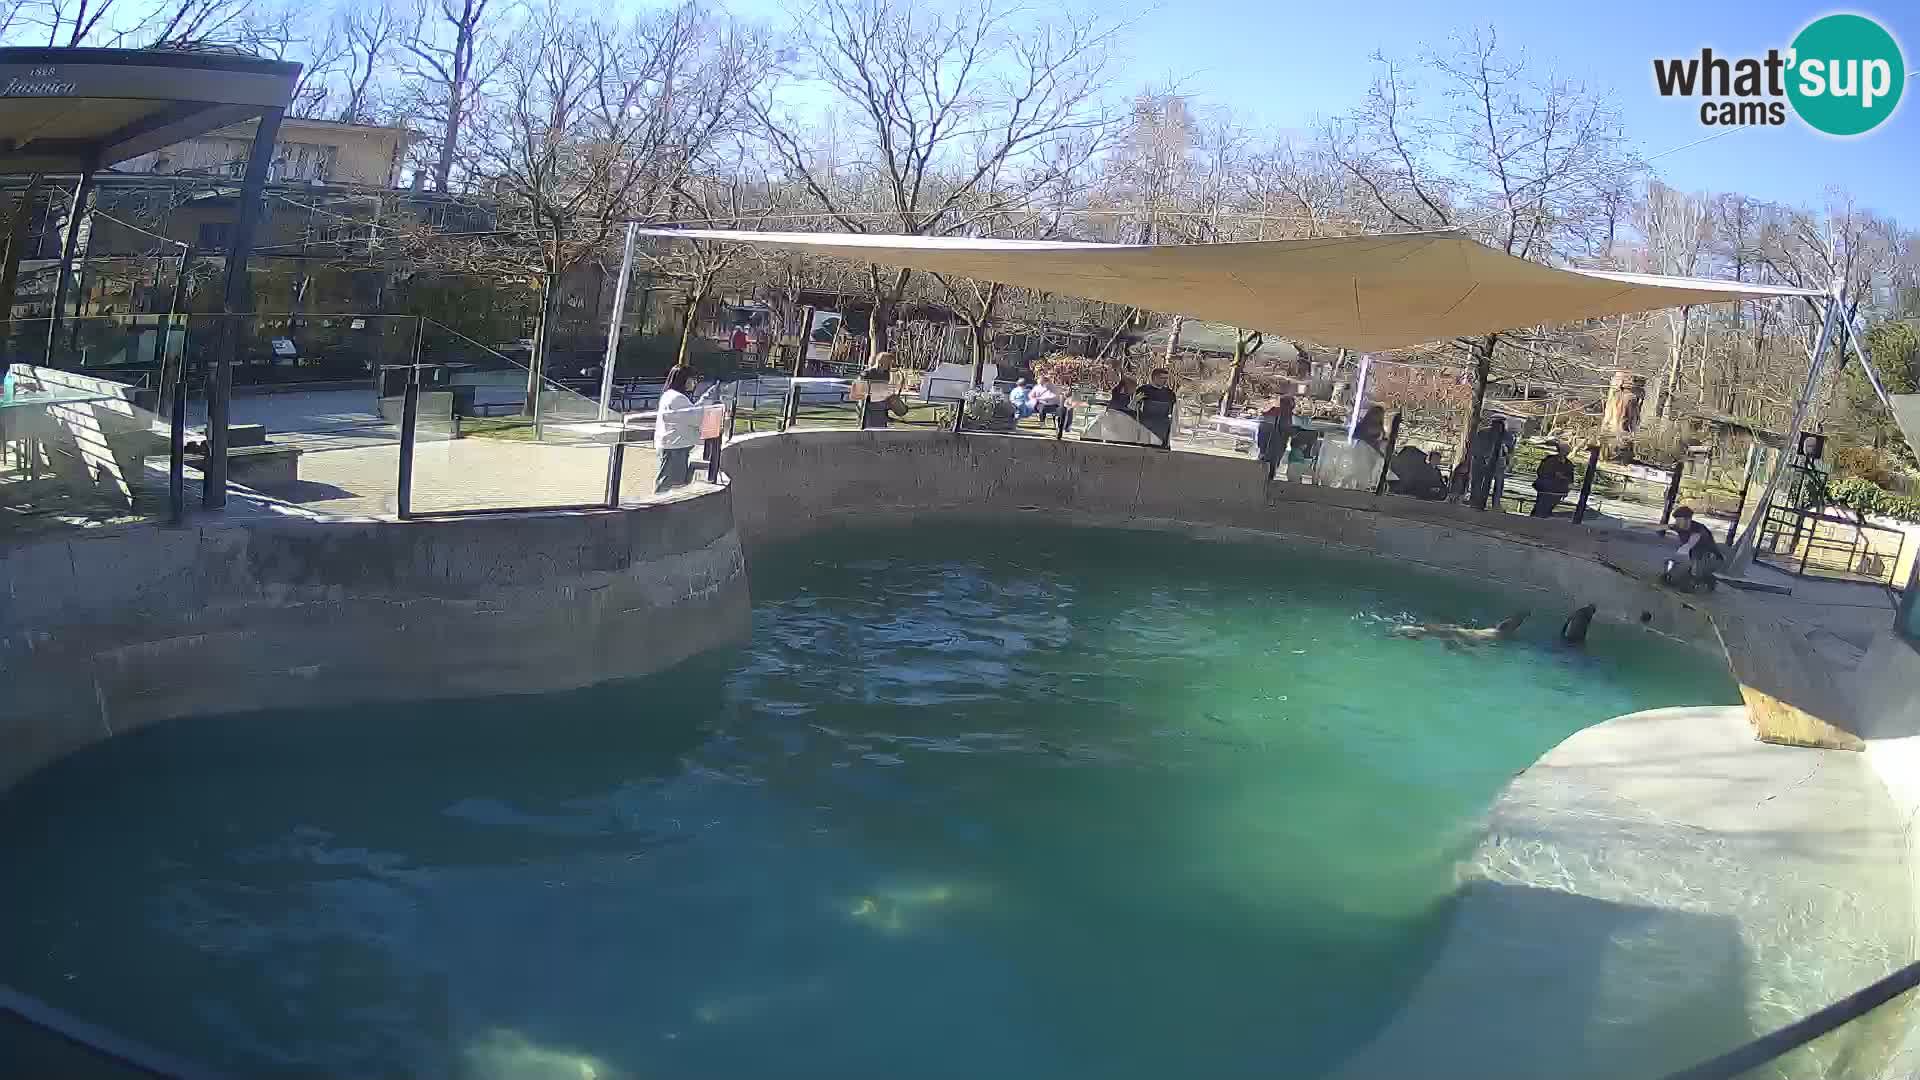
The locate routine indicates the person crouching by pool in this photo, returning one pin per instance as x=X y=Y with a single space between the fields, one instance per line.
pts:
x=1156 y=406
x=1697 y=559
x=676 y=428
x=879 y=398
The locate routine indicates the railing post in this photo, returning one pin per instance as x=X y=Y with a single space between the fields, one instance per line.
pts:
x=177 y=441
x=712 y=450
x=1586 y=484
x=1386 y=463
x=409 y=423
x=616 y=464
x=1673 y=491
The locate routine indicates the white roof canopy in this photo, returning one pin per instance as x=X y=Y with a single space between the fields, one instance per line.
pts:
x=1361 y=292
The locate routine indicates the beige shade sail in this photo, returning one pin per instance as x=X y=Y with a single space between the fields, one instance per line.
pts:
x=1361 y=292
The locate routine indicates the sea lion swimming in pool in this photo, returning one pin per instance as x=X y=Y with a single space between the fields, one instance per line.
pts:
x=1465 y=635
x=1574 y=630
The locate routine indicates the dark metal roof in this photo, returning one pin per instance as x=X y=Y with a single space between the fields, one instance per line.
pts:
x=71 y=110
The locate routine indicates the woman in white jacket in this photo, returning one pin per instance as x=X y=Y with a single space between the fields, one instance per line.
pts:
x=676 y=429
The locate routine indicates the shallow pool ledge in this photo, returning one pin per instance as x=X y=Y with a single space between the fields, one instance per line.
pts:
x=1631 y=885
x=108 y=632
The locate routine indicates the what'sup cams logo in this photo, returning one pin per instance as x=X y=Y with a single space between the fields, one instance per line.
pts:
x=1843 y=76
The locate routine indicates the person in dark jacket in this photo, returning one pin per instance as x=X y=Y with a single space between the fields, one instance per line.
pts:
x=1120 y=398
x=1276 y=428
x=1156 y=406
x=1488 y=450
x=1552 y=481
x=1372 y=429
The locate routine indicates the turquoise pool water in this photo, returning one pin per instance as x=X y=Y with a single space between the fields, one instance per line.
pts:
x=971 y=803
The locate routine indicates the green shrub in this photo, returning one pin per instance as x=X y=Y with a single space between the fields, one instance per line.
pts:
x=1856 y=493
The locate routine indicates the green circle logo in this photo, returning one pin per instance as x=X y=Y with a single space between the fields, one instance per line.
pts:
x=1846 y=74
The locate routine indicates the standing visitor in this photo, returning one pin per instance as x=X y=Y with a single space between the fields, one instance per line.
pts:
x=739 y=341
x=1488 y=448
x=1271 y=438
x=1156 y=406
x=676 y=429
x=1552 y=481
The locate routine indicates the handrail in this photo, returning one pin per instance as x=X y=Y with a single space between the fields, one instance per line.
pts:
x=1805 y=1030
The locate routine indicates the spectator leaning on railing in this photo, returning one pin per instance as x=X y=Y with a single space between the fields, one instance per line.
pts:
x=676 y=428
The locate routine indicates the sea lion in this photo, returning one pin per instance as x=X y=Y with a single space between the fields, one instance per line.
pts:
x=1465 y=635
x=1574 y=630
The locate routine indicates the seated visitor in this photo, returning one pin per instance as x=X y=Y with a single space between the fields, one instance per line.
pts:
x=1552 y=481
x=879 y=398
x=1416 y=475
x=1048 y=402
x=1698 y=558
x=1022 y=398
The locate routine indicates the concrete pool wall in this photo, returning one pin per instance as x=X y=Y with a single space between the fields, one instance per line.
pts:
x=786 y=487
x=106 y=632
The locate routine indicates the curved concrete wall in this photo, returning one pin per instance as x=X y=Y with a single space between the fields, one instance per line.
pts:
x=787 y=486
x=103 y=633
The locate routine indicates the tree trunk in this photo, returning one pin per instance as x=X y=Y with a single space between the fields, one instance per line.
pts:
x=982 y=345
x=1240 y=342
x=694 y=300
x=1173 y=340
x=449 y=139
x=1482 y=374
x=886 y=297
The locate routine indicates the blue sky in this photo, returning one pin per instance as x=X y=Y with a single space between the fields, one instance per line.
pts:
x=1285 y=65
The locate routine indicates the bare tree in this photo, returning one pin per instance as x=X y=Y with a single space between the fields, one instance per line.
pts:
x=1517 y=161
x=453 y=61
x=596 y=124
x=943 y=100
x=1678 y=230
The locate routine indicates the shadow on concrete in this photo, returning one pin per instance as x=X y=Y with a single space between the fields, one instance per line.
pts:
x=1539 y=982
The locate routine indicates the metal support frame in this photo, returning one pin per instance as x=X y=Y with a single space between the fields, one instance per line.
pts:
x=1586 y=484
x=162 y=363
x=82 y=191
x=791 y=414
x=236 y=300
x=1742 y=554
x=1386 y=462
x=1754 y=454
x=613 y=327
